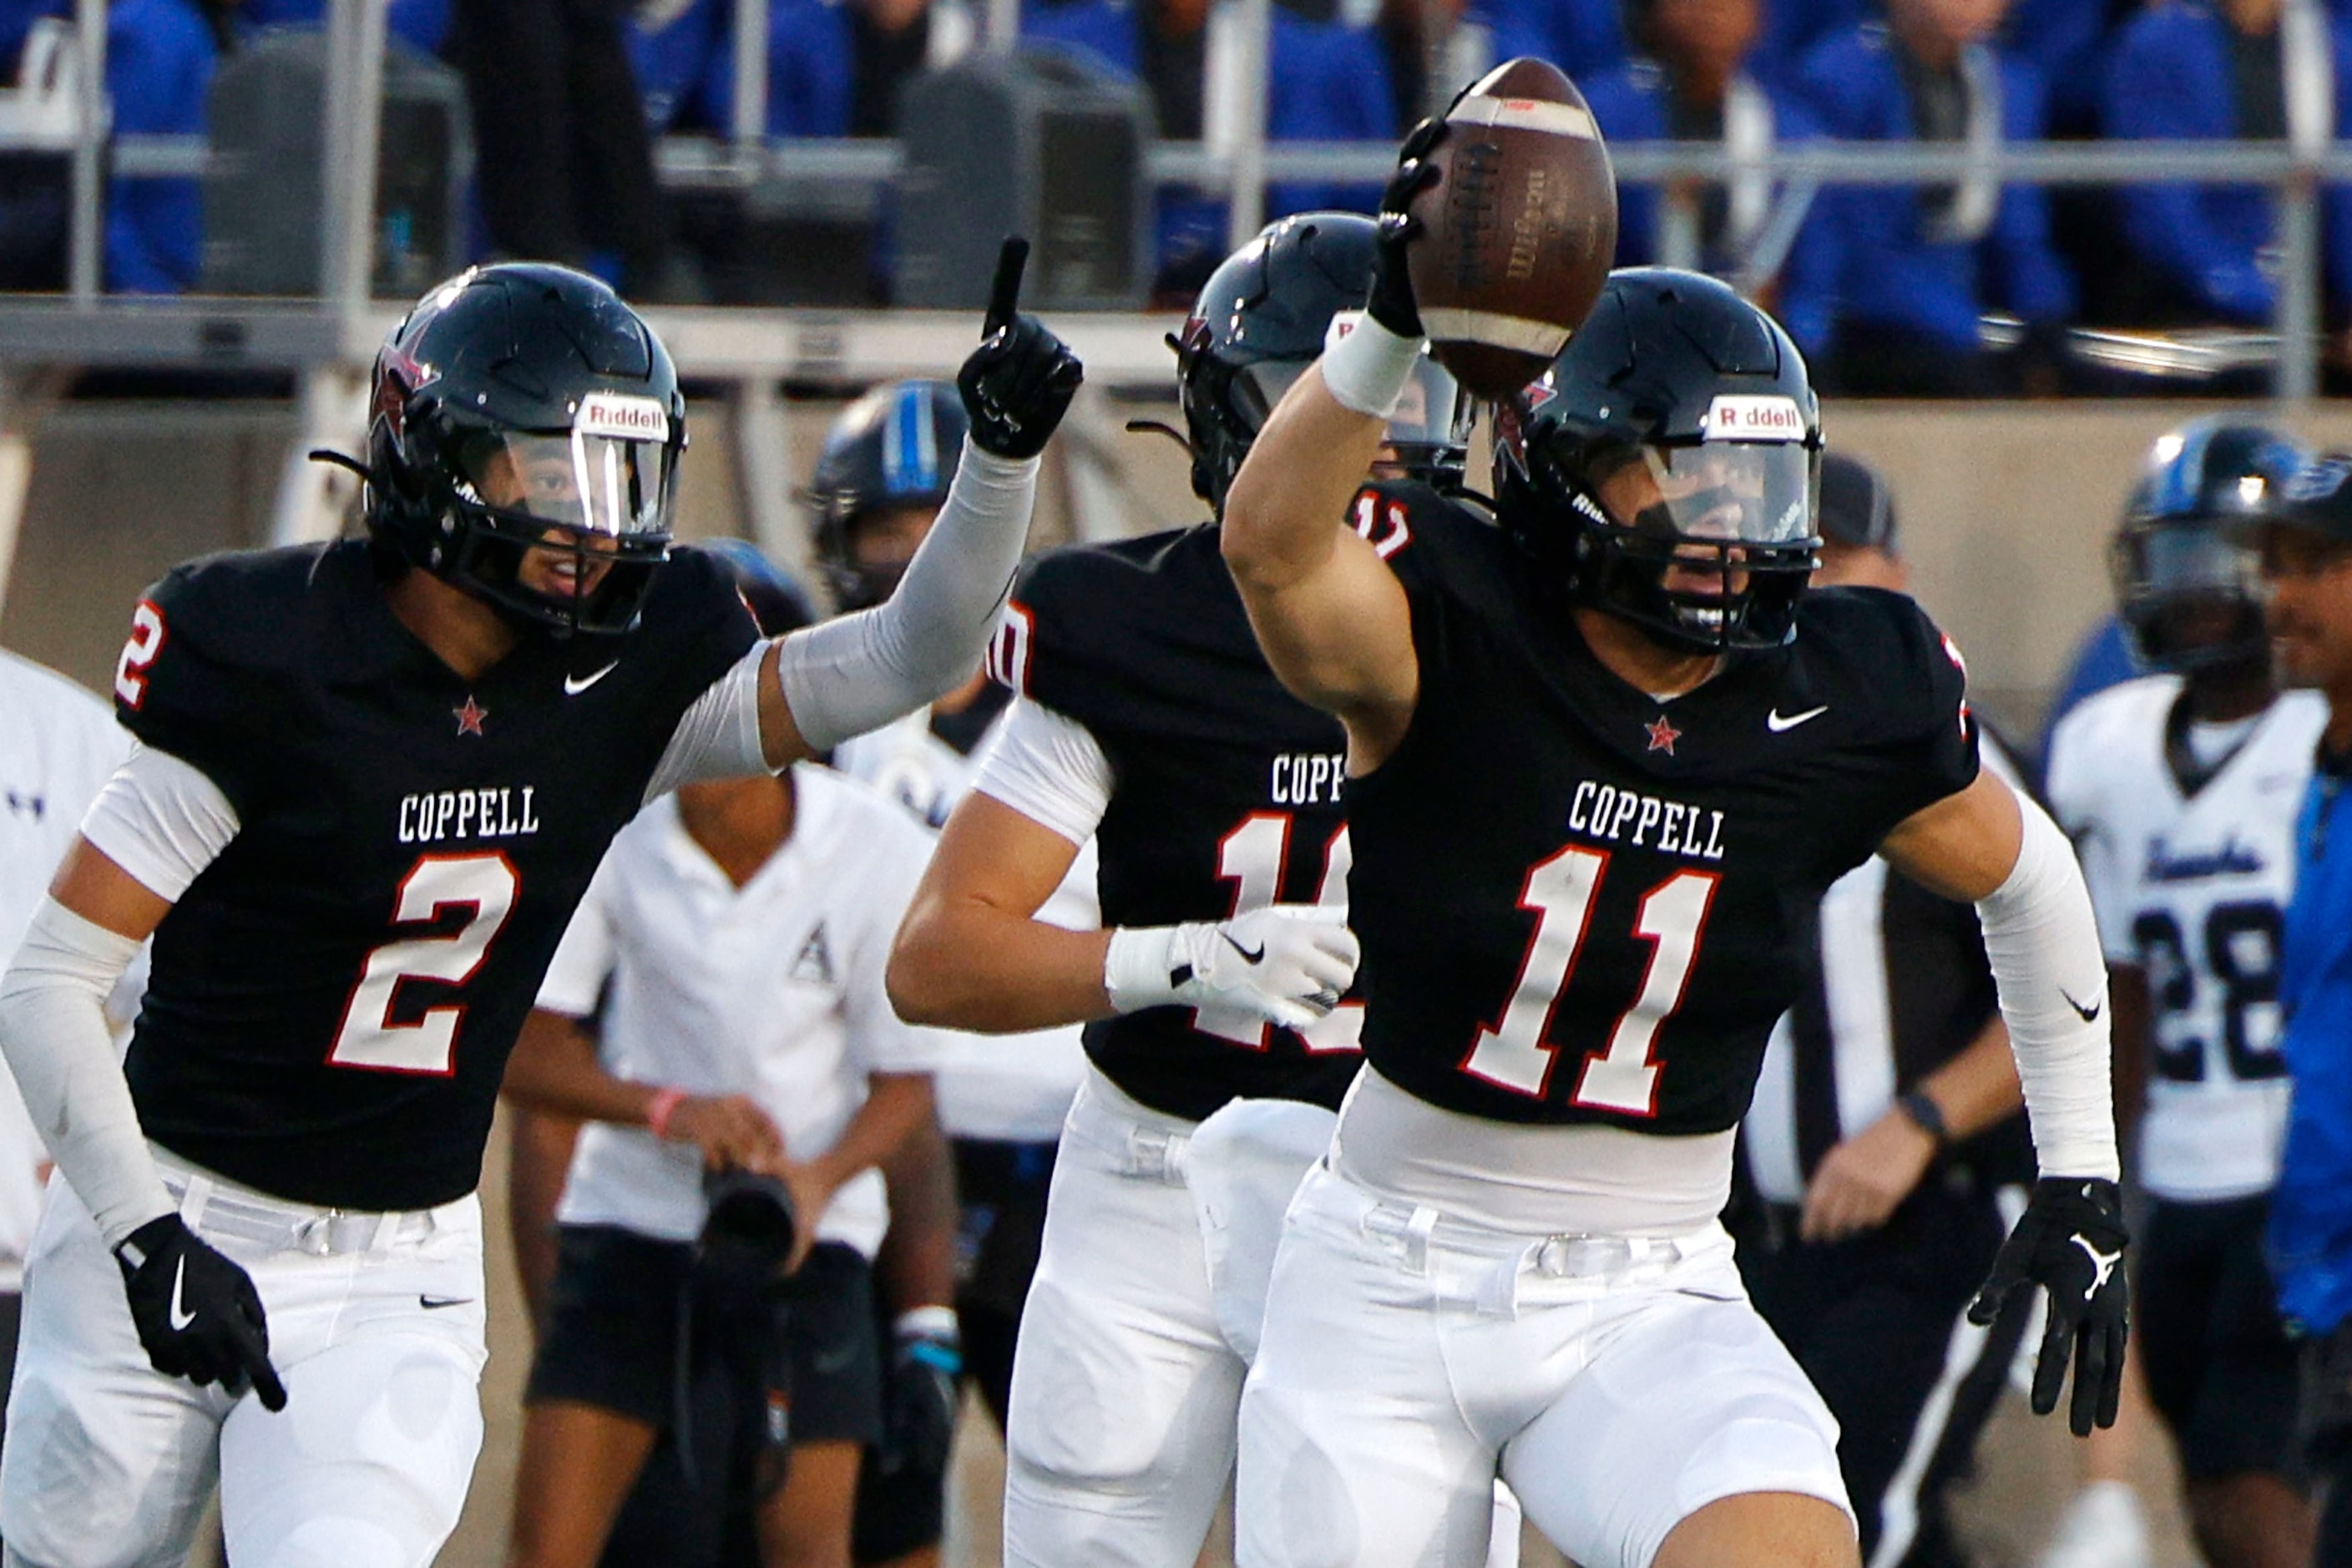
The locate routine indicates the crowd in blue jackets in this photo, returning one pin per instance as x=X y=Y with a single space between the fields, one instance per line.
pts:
x=1866 y=255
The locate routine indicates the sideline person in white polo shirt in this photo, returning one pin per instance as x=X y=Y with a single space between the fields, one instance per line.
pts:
x=58 y=746
x=735 y=939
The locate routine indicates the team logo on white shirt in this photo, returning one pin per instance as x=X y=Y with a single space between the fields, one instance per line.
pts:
x=814 y=963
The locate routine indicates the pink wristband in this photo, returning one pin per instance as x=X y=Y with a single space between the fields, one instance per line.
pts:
x=659 y=1109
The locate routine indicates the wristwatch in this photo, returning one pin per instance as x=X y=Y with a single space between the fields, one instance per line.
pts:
x=1921 y=1109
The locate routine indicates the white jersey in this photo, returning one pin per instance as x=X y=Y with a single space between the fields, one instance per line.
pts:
x=58 y=746
x=772 y=990
x=2192 y=888
x=1009 y=1087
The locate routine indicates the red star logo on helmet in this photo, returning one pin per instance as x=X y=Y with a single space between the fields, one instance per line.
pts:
x=1663 y=735
x=469 y=718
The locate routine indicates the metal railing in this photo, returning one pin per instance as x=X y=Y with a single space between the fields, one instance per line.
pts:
x=1236 y=162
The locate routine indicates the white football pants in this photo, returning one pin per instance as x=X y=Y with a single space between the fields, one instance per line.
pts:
x=1159 y=1238
x=1623 y=1383
x=107 y=1463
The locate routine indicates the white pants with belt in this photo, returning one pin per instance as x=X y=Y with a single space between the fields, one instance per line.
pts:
x=1621 y=1383
x=1159 y=1238
x=375 y=1324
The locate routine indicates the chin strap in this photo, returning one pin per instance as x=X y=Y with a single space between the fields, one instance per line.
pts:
x=342 y=460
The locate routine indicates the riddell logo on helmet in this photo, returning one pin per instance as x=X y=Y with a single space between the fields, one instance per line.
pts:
x=622 y=416
x=1754 y=416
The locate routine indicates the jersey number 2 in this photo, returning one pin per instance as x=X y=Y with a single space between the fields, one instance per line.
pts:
x=1559 y=891
x=486 y=884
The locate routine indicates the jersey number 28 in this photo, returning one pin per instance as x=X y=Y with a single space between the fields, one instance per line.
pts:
x=483 y=884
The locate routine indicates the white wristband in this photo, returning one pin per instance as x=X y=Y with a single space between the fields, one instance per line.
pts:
x=1135 y=967
x=1367 y=370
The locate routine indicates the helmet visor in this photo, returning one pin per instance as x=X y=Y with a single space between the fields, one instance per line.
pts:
x=1432 y=411
x=613 y=486
x=2184 y=560
x=1735 y=492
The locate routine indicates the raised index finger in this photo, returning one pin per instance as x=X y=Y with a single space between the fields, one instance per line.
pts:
x=1004 y=293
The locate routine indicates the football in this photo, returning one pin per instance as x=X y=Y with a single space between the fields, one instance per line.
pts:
x=1519 y=231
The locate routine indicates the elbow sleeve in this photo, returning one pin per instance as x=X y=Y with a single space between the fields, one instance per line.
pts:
x=53 y=1032
x=858 y=672
x=2051 y=975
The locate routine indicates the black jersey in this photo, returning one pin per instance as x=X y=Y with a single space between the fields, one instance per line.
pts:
x=1225 y=796
x=333 y=998
x=1579 y=904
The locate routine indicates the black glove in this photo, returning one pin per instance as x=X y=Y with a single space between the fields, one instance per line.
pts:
x=919 y=1422
x=1390 y=301
x=1018 y=383
x=2071 y=1241
x=198 y=1315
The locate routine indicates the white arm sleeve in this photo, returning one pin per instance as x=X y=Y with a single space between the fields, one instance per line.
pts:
x=161 y=820
x=2049 y=968
x=1048 y=768
x=856 y=673
x=719 y=737
x=53 y=1031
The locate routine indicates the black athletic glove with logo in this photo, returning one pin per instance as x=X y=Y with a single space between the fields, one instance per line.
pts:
x=197 y=1313
x=1390 y=301
x=2071 y=1241
x=919 y=1407
x=1018 y=383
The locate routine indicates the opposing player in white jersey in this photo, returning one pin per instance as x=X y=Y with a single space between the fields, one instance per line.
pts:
x=879 y=482
x=61 y=744
x=2180 y=789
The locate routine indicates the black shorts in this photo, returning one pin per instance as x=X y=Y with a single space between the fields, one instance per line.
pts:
x=613 y=1321
x=2220 y=1369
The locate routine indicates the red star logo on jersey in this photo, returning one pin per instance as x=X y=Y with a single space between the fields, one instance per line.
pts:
x=469 y=718
x=1663 y=735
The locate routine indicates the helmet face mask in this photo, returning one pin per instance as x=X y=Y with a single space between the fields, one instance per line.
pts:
x=1263 y=318
x=525 y=447
x=2187 y=588
x=1666 y=469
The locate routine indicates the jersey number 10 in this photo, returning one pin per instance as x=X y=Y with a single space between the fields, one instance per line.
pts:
x=1254 y=857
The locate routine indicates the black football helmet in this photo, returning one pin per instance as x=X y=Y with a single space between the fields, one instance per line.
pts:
x=895 y=446
x=775 y=598
x=523 y=407
x=1263 y=318
x=1666 y=466
x=2187 y=586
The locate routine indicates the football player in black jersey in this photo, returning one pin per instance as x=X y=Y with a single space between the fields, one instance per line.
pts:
x=375 y=779
x=1146 y=720
x=1603 y=760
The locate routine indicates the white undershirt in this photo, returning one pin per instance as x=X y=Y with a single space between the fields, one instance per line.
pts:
x=1048 y=768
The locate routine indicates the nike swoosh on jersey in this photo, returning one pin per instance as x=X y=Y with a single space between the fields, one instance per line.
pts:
x=181 y=1317
x=434 y=1304
x=573 y=686
x=2089 y=1015
x=1777 y=722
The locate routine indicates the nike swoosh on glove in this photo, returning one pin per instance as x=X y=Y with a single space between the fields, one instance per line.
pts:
x=2071 y=1241
x=1288 y=963
x=197 y=1313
